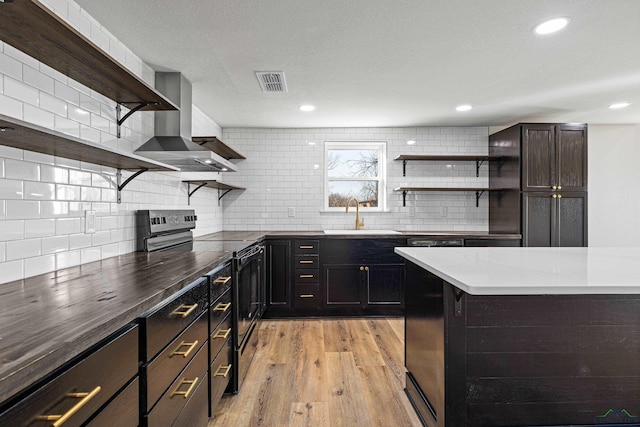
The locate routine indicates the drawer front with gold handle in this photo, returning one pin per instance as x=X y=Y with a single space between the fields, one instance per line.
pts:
x=220 y=309
x=219 y=336
x=306 y=261
x=220 y=372
x=169 y=318
x=180 y=390
x=306 y=296
x=158 y=374
x=303 y=247
x=311 y=275
x=220 y=280
x=85 y=385
x=84 y=397
x=122 y=410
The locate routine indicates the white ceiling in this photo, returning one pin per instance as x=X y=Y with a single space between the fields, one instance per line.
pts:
x=391 y=63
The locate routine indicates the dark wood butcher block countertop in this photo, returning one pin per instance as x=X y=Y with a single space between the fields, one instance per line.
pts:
x=249 y=236
x=46 y=320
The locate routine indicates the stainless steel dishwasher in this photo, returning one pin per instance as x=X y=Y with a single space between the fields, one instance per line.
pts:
x=429 y=241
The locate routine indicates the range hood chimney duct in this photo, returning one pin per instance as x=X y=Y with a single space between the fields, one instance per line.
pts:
x=171 y=143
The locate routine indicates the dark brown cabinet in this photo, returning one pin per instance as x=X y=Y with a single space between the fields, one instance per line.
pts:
x=554 y=157
x=558 y=219
x=278 y=274
x=544 y=171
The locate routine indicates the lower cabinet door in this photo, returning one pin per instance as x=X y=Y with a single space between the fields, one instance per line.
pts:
x=385 y=284
x=173 y=401
x=195 y=413
x=343 y=284
x=122 y=411
x=220 y=374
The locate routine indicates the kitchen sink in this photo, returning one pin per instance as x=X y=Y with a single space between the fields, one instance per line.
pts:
x=361 y=232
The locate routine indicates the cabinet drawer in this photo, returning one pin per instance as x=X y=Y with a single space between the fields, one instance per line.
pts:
x=161 y=371
x=305 y=247
x=195 y=413
x=220 y=280
x=220 y=374
x=180 y=391
x=219 y=337
x=122 y=411
x=311 y=275
x=306 y=296
x=166 y=320
x=306 y=261
x=220 y=309
x=95 y=378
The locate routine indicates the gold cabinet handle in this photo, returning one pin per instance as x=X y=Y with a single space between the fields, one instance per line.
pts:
x=306 y=276
x=84 y=397
x=183 y=310
x=222 y=333
x=361 y=268
x=366 y=269
x=219 y=373
x=222 y=307
x=554 y=187
x=306 y=296
x=555 y=196
x=559 y=187
x=222 y=280
x=185 y=353
x=303 y=261
x=306 y=247
x=192 y=384
x=559 y=196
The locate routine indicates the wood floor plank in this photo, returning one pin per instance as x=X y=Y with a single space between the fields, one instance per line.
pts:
x=380 y=385
x=316 y=372
x=352 y=335
x=309 y=414
x=347 y=404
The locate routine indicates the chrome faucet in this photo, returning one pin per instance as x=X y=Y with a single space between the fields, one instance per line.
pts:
x=359 y=223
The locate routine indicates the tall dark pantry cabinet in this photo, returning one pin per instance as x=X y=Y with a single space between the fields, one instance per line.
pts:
x=543 y=168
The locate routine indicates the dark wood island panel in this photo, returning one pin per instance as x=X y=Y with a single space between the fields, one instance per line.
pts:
x=535 y=360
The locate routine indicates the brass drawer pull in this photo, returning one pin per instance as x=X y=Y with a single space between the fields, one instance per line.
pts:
x=61 y=419
x=222 y=307
x=302 y=261
x=222 y=333
x=306 y=276
x=306 y=296
x=307 y=246
x=192 y=384
x=185 y=353
x=183 y=310
x=226 y=368
x=222 y=280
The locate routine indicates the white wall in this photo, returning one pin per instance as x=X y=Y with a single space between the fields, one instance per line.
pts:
x=43 y=198
x=285 y=169
x=614 y=185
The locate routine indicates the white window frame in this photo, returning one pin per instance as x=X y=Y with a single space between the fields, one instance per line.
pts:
x=381 y=147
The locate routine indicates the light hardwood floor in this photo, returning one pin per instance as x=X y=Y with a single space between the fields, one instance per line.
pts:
x=323 y=372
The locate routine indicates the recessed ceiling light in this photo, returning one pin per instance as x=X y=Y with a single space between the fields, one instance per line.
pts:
x=307 y=108
x=551 y=26
x=411 y=142
x=619 y=105
x=208 y=161
x=465 y=107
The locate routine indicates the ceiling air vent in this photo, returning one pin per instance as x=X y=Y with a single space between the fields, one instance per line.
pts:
x=271 y=81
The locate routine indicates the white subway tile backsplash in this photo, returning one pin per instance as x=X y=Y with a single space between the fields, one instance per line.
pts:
x=55 y=244
x=18 y=249
x=65 y=226
x=11 y=107
x=54 y=209
x=90 y=254
x=52 y=104
x=23 y=209
x=15 y=169
x=10 y=271
x=10 y=66
x=36 y=78
x=79 y=241
x=67 y=93
x=20 y=91
x=11 y=230
x=67 y=126
x=39 y=228
x=54 y=174
x=11 y=189
x=39 y=191
x=39 y=265
x=3 y=252
x=79 y=115
x=67 y=259
x=38 y=116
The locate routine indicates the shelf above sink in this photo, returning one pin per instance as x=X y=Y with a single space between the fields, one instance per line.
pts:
x=343 y=232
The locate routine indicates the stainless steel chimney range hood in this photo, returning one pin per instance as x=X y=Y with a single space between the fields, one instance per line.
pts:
x=171 y=143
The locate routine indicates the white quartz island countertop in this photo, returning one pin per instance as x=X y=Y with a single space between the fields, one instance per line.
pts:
x=532 y=271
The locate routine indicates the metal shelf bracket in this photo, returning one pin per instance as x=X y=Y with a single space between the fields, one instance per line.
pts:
x=404 y=167
x=478 y=164
x=220 y=196
x=121 y=184
x=404 y=198
x=457 y=306
x=478 y=195
x=138 y=106
x=190 y=192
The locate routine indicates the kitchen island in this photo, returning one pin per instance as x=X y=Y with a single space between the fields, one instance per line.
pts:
x=523 y=336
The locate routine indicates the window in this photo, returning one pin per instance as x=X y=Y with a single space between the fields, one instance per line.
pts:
x=355 y=170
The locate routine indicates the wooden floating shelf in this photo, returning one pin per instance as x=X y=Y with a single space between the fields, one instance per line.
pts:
x=27 y=136
x=220 y=186
x=478 y=190
x=32 y=28
x=478 y=158
x=214 y=144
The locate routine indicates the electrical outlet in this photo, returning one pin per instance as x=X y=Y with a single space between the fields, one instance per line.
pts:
x=89 y=222
x=291 y=212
